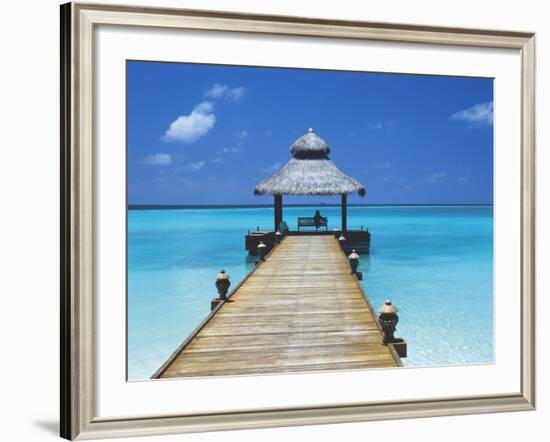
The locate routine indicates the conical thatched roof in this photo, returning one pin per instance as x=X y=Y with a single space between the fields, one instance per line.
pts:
x=309 y=143
x=309 y=172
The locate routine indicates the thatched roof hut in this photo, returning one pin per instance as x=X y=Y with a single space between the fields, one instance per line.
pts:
x=309 y=172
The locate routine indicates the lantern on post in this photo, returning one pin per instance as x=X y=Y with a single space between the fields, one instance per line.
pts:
x=341 y=241
x=388 y=320
x=222 y=285
x=278 y=236
x=353 y=259
x=262 y=250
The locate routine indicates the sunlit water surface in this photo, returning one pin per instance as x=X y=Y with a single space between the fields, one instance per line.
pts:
x=434 y=262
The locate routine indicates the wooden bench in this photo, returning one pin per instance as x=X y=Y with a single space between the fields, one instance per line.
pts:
x=310 y=222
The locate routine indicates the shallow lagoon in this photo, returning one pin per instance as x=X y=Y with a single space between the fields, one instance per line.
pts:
x=434 y=262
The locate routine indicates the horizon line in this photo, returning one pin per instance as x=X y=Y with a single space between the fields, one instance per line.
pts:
x=225 y=206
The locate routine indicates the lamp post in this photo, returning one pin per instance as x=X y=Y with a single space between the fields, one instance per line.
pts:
x=388 y=320
x=278 y=236
x=353 y=259
x=342 y=241
x=262 y=250
x=222 y=285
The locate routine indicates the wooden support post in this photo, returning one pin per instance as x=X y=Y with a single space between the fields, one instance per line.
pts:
x=275 y=211
x=214 y=303
x=278 y=211
x=344 y=213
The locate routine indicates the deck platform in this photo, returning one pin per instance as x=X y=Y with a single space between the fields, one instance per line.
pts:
x=299 y=310
x=355 y=239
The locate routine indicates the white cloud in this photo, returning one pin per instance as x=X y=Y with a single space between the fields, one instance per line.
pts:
x=195 y=167
x=216 y=160
x=479 y=114
x=206 y=107
x=436 y=177
x=158 y=159
x=379 y=125
x=272 y=168
x=382 y=166
x=463 y=179
x=242 y=134
x=233 y=150
x=236 y=93
x=387 y=179
x=189 y=128
x=224 y=91
x=217 y=91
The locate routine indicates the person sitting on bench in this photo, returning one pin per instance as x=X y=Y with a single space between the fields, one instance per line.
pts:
x=317 y=219
x=313 y=221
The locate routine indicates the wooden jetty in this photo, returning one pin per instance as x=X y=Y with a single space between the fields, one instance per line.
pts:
x=300 y=310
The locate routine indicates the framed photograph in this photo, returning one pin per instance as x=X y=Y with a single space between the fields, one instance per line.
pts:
x=275 y=220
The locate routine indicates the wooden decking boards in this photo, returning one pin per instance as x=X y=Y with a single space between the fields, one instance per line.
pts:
x=300 y=310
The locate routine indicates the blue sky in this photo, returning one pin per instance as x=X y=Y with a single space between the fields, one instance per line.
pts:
x=203 y=134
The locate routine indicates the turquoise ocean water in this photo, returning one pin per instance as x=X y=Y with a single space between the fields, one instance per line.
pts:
x=434 y=262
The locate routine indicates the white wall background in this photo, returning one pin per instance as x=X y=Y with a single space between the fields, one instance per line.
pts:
x=29 y=234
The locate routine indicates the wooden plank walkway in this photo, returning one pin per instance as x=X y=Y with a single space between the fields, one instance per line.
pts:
x=300 y=310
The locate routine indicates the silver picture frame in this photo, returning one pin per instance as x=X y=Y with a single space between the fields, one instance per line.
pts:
x=77 y=217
